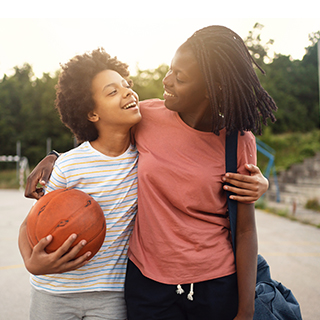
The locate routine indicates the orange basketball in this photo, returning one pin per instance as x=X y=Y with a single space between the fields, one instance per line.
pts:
x=63 y=212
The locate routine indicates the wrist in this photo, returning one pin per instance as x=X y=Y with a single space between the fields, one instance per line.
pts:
x=245 y=313
x=55 y=153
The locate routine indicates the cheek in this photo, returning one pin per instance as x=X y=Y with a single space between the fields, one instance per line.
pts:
x=136 y=96
x=192 y=94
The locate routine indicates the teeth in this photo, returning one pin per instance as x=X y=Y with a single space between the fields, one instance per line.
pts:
x=168 y=94
x=132 y=104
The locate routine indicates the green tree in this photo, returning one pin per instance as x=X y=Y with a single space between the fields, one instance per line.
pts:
x=14 y=91
x=258 y=50
x=292 y=83
x=27 y=114
x=148 y=83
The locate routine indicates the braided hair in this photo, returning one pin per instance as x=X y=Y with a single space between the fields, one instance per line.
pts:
x=237 y=99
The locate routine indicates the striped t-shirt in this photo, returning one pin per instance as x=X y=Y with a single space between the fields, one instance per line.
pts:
x=112 y=182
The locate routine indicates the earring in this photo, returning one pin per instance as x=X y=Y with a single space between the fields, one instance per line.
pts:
x=221 y=115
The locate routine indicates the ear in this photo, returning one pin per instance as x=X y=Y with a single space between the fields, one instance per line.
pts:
x=93 y=117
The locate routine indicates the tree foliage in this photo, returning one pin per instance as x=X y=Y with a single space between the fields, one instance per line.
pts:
x=27 y=110
x=148 y=83
x=293 y=84
x=27 y=114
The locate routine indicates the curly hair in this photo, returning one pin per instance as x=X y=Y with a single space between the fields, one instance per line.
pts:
x=233 y=86
x=73 y=92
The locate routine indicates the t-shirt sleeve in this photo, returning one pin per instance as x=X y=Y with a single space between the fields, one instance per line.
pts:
x=247 y=152
x=142 y=106
x=57 y=179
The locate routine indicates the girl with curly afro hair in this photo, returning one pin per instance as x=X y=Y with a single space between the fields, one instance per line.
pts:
x=95 y=100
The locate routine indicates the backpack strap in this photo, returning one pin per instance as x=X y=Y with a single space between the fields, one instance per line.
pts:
x=231 y=166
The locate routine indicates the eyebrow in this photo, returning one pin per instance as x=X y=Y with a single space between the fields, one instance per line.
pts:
x=113 y=84
x=108 y=85
x=178 y=71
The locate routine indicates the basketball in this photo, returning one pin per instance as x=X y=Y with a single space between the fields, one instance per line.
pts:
x=63 y=212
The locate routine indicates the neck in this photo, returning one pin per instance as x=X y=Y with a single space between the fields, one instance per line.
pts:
x=112 y=145
x=200 y=120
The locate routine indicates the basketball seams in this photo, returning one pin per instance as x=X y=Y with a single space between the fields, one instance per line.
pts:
x=77 y=215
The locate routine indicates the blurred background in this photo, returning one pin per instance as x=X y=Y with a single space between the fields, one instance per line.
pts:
x=36 y=36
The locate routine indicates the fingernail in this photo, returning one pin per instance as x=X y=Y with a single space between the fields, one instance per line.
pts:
x=224 y=179
x=231 y=197
x=49 y=237
x=225 y=187
x=227 y=175
x=83 y=242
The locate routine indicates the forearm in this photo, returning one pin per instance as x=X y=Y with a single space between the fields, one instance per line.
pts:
x=23 y=243
x=246 y=253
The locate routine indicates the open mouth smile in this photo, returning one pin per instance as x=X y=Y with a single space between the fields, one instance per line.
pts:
x=130 y=105
x=168 y=94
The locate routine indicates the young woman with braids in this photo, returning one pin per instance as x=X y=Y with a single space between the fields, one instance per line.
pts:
x=181 y=264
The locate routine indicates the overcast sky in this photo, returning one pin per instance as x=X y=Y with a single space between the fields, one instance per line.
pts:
x=137 y=34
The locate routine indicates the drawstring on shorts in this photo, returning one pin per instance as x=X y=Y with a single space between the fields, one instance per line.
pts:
x=181 y=291
x=190 y=295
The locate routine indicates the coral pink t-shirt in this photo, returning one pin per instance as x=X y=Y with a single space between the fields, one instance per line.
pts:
x=181 y=233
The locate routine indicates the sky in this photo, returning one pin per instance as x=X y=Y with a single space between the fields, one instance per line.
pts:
x=139 y=35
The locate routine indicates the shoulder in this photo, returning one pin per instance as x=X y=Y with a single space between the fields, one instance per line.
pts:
x=247 y=151
x=151 y=104
x=246 y=140
x=247 y=137
x=81 y=150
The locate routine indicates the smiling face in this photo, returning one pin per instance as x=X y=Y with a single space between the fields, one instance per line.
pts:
x=116 y=104
x=185 y=88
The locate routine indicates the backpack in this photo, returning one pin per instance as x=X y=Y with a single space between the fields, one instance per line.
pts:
x=273 y=301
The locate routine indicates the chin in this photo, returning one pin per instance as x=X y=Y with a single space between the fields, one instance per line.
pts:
x=169 y=105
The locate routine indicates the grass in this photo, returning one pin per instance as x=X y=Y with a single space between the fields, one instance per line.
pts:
x=290 y=148
x=9 y=179
x=313 y=204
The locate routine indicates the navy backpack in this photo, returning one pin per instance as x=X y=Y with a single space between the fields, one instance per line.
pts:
x=273 y=301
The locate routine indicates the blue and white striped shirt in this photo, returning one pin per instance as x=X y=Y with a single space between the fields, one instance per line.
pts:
x=112 y=182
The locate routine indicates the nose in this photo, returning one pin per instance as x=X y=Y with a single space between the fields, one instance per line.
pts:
x=167 y=80
x=127 y=92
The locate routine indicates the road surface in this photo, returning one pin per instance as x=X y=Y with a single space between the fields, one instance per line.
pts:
x=291 y=248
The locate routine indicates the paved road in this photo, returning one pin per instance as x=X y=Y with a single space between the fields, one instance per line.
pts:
x=292 y=250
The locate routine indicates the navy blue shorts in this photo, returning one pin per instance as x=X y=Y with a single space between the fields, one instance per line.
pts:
x=147 y=299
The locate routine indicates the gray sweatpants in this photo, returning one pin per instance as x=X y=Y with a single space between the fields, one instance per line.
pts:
x=107 y=305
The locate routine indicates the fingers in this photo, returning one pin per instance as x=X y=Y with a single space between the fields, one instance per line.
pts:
x=40 y=174
x=67 y=261
x=41 y=245
x=252 y=168
x=36 y=194
x=46 y=173
x=64 y=251
x=242 y=191
x=234 y=177
x=77 y=263
x=243 y=199
x=65 y=247
x=250 y=184
x=59 y=261
x=31 y=190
